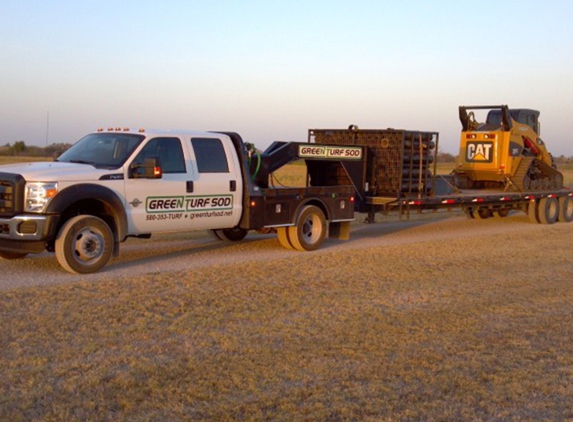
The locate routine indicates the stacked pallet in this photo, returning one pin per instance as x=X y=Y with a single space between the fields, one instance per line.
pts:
x=401 y=159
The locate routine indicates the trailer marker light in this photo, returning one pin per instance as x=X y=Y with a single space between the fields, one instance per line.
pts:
x=504 y=198
x=352 y=199
x=448 y=201
x=415 y=202
x=253 y=204
x=478 y=200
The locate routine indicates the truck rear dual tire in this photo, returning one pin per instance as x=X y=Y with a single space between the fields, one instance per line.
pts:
x=309 y=232
x=84 y=244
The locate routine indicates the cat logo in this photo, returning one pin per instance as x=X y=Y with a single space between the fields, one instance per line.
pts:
x=479 y=152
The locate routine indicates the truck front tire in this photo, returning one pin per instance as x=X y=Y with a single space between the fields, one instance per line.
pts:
x=84 y=244
x=309 y=231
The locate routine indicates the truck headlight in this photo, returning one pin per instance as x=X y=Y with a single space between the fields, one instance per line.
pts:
x=38 y=195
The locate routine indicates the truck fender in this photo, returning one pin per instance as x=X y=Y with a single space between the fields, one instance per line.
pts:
x=316 y=202
x=82 y=192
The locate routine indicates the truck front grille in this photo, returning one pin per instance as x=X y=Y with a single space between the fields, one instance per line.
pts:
x=11 y=194
x=6 y=196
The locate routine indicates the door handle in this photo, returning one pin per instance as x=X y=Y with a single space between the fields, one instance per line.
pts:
x=190 y=186
x=233 y=185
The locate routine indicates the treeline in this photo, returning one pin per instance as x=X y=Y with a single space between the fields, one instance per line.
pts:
x=19 y=148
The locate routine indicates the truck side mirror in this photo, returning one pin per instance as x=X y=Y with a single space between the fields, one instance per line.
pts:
x=150 y=169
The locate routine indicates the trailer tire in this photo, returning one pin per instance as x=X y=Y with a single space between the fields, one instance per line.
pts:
x=282 y=233
x=470 y=213
x=483 y=214
x=532 y=212
x=232 y=235
x=84 y=244
x=310 y=229
x=548 y=210
x=565 y=209
x=502 y=212
x=12 y=255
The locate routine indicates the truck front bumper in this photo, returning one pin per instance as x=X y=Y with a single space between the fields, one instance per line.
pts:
x=27 y=233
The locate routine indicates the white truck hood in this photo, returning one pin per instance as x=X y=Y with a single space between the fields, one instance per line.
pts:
x=56 y=171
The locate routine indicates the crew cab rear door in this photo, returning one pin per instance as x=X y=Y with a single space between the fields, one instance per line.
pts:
x=216 y=198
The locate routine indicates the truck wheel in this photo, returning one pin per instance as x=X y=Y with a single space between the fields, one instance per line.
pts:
x=282 y=233
x=12 y=255
x=565 y=209
x=232 y=235
x=548 y=210
x=214 y=234
x=84 y=244
x=310 y=229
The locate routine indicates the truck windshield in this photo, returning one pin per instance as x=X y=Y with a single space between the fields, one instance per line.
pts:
x=102 y=150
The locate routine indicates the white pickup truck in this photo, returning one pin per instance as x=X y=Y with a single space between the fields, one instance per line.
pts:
x=117 y=183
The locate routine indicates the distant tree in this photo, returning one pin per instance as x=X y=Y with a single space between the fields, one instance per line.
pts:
x=19 y=147
x=55 y=150
x=446 y=157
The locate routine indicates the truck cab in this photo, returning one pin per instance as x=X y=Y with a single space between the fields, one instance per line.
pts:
x=134 y=182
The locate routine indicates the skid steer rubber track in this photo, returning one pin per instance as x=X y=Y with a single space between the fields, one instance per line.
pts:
x=521 y=177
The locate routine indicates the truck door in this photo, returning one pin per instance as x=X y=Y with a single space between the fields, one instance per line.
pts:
x=215 y=202
x=158 y=204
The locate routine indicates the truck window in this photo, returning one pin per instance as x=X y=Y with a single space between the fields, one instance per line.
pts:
x=168 y=151
x=210 y=155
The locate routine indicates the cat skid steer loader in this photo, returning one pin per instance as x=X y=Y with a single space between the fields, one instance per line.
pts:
x=505 y=150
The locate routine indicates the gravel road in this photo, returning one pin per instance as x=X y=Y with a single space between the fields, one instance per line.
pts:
x=176 y=252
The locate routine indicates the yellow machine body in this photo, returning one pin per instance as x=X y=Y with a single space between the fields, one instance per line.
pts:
x=505 y=149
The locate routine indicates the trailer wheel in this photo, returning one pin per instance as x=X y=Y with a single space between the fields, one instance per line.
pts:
x=470 y=213
x=565 y=209
x=310 y=229
x=282 y=233
x=84 y=244
x=502 y=212
x=483 y=214
x=12 y=255
x=232 y=235
x=548 y=210
x=532 y=212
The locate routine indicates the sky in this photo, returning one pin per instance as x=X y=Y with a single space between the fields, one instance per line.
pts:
x=272 y=69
